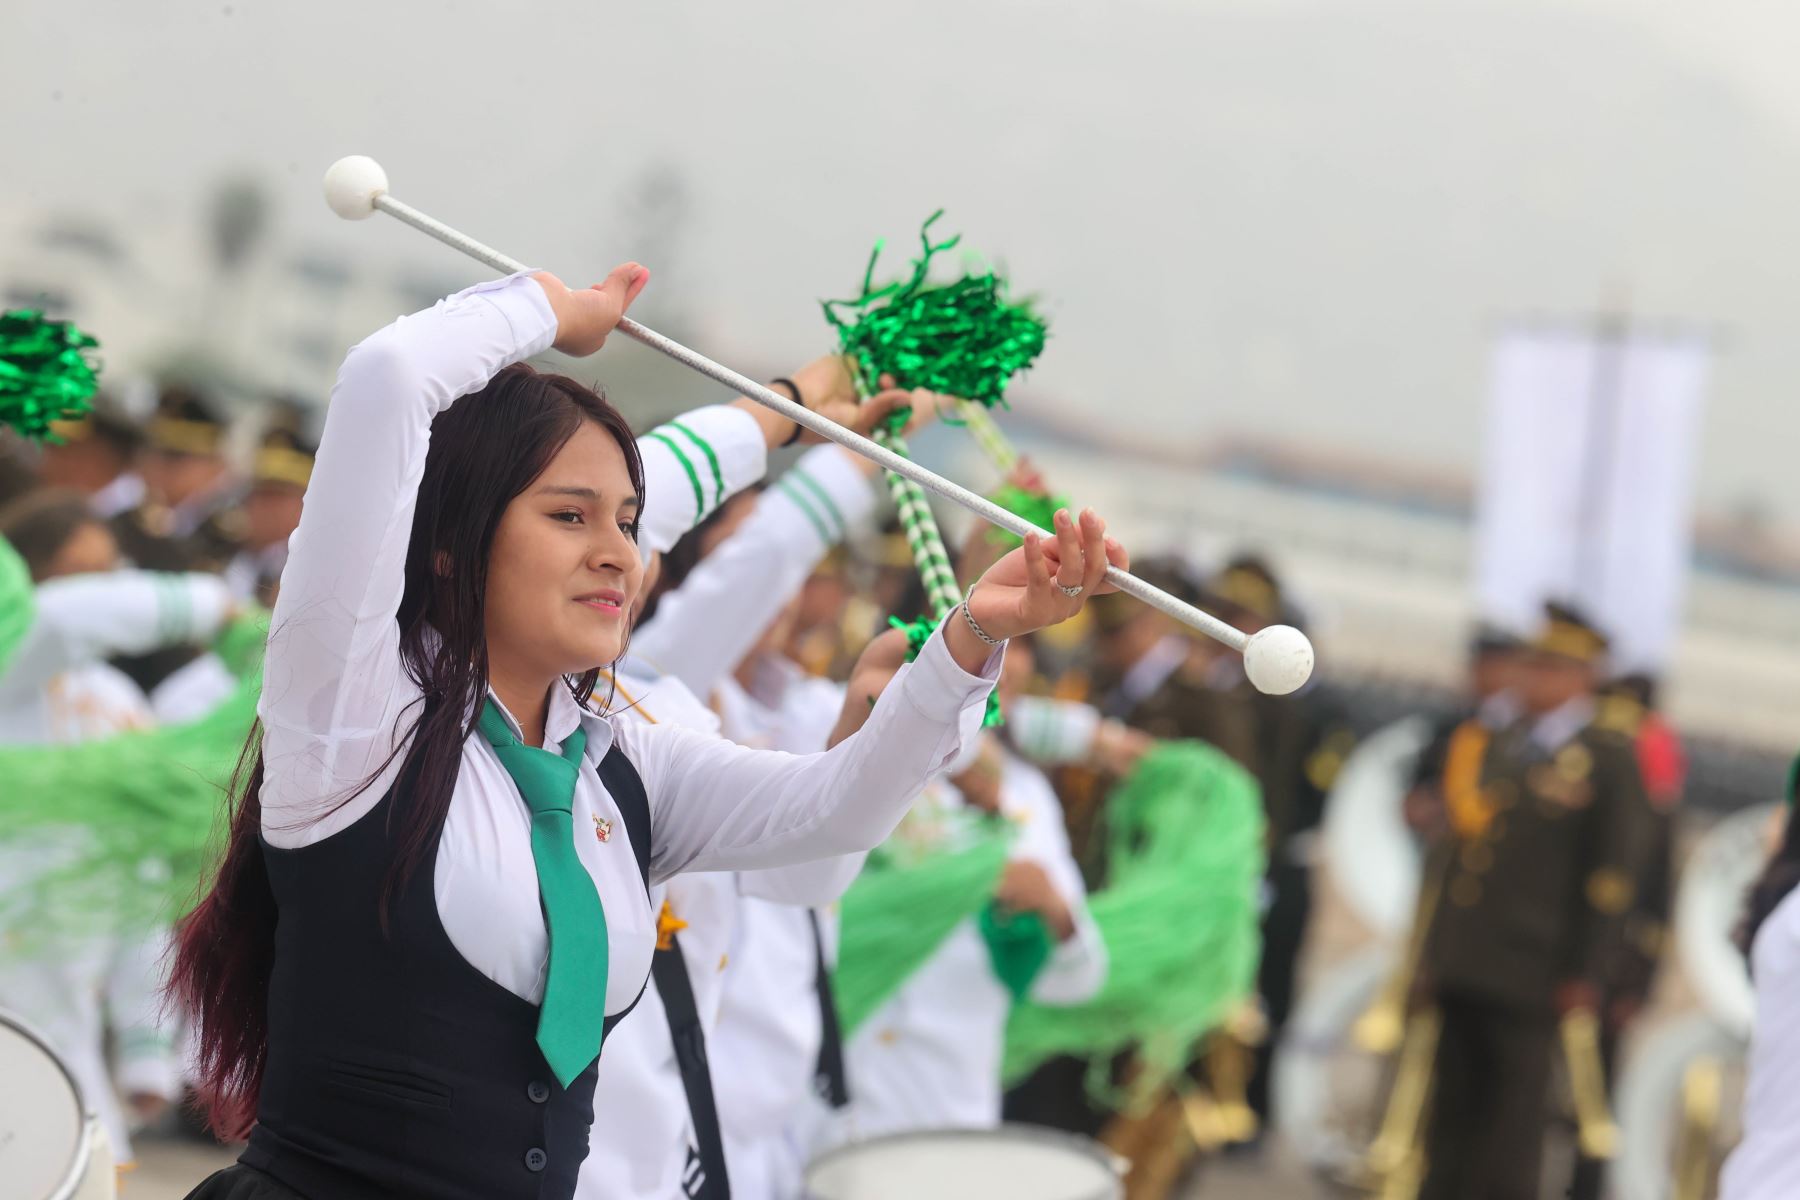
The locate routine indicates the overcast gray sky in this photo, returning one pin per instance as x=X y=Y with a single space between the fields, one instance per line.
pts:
x=1295 y=219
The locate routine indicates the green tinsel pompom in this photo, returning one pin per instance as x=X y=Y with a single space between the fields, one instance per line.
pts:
x=18 y=602
x=45 y=375
x=1035 y=507
x=917 y=634
x=963 y=338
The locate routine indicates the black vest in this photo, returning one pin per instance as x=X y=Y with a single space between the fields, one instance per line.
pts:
x=395 y=1068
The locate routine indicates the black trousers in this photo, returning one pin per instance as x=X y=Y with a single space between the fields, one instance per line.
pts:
x=1490 y=1084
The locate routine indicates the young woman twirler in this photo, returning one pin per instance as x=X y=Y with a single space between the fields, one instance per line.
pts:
x=439 y=856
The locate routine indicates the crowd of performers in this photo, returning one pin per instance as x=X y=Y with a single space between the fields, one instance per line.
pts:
x=562 y=739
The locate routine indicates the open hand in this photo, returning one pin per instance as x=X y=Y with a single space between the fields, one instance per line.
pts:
x=1045 y=582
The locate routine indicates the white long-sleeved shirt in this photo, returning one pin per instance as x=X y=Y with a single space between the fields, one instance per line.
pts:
x=1052 y=732
x=336 y=698
x=766 y=1043
x=1766 y=1163
x=930 y=1056
x=82 y=619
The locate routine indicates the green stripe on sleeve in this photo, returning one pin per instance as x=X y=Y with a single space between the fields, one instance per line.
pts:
x=792 y=493
x=718 y=474
x=824 y=497
x=693 y=476
x=174 y=618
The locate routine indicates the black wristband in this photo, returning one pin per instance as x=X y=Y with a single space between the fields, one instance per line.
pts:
x=793 y=391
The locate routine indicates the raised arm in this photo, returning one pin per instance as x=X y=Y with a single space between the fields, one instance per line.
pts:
x=717 y=806
x=334 y=688
x=703 y=629
x=698 y=461
x=86 y=618
x=695 y=463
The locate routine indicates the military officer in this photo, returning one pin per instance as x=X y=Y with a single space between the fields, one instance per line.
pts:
x=1532 y=920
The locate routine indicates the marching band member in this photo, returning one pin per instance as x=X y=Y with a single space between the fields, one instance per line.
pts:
x=394 y=971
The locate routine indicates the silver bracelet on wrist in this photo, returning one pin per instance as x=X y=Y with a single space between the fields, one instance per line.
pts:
x=969 y=617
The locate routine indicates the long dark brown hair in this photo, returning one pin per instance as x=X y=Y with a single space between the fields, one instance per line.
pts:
x=485 y=450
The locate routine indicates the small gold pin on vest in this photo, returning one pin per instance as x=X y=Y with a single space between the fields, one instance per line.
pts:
x=603 y=829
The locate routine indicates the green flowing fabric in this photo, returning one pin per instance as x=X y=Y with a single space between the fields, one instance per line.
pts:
x=120 y=832
x=914 y=891
x=1178 y=916
x=18 y=602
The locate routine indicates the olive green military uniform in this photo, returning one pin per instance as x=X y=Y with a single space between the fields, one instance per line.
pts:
x=1536 y=897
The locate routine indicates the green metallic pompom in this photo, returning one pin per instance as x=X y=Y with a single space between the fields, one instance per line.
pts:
x=917 y=634
x=45 y=375
x=1035 y=507
x=963 y=338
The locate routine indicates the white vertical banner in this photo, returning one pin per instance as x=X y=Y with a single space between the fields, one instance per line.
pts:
x=1587 y=482
x=1528 y=509
x=1635 y=575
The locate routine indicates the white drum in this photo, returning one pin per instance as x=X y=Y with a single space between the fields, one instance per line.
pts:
x=1709 y=904
x=1374 y=858
x=1328 y=1091
x=51 y=1147
x=1012 y=1162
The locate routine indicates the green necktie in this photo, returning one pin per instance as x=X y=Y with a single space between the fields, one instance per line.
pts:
x=573 y=1015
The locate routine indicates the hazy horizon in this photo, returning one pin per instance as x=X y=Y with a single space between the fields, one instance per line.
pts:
x=1296 y=220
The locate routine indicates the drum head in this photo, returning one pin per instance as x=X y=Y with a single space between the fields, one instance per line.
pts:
x=43 y=1131
x=1373 y=856
x=1709 y=903
x=1013 y=1162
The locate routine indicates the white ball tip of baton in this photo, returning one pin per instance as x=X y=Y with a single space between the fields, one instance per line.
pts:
x=1278 y=659
x=352 y=184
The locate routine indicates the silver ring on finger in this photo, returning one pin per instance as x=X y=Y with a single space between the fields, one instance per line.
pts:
x=1071 y=590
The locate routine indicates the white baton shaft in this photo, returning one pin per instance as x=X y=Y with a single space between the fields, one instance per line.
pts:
x=1278 y=659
